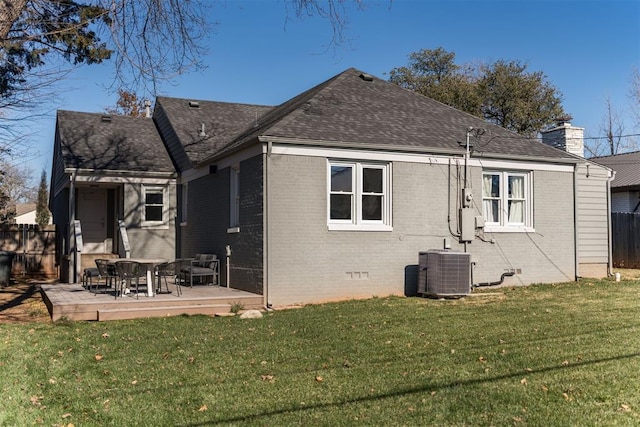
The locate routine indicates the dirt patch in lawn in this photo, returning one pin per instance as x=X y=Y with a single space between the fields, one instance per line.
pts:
x=21 y=302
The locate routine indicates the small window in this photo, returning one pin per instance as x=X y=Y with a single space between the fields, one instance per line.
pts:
x=507 y=200
x=359 y=196
x=184 y=211
x=234 y=199
x=154 y=205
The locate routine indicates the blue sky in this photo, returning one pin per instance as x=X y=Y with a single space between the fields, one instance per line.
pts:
x=587 y=49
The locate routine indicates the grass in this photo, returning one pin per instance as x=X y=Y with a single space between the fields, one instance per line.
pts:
x=564 y=354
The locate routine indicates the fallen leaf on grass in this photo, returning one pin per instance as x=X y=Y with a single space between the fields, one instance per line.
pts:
x=203 y=408
x=566 y=396
x=269 y=378
x=624 y=408
x=319 y=379
x=98 y=357
x=134 y=382
x=565 y=363
x=523 y=381
x=66 y=415
x=482 y=359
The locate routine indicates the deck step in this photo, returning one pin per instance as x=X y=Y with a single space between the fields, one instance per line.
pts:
x=105 y=314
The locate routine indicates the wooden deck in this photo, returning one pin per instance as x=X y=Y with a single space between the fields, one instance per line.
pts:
x=74 y=302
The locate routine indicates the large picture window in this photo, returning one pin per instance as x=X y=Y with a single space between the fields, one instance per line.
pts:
x=506 y=199
x=359 y=196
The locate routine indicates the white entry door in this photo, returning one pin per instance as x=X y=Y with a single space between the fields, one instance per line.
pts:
x=92 y=213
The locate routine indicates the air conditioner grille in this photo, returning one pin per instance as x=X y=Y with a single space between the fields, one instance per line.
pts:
x=444 y=273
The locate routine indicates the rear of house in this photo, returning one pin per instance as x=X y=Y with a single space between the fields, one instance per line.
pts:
x=335 y=193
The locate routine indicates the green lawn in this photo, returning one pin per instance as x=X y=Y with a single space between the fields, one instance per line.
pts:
x=542 y=355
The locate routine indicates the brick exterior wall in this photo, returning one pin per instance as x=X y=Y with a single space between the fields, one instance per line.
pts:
x=208 y=222
x=308 y=263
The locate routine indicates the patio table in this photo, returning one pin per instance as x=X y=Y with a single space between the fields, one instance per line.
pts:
x=149 y=263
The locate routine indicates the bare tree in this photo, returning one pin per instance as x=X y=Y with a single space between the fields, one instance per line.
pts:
x=128 y=104
x=149 y=41
x=9 y=12
x=613 y=142
x=18 y=183
x=634 y=94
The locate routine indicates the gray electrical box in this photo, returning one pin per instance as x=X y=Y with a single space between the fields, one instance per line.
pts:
x=467 y=225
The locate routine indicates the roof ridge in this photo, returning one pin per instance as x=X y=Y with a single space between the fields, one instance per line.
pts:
x=246 y=104
x=283 y=112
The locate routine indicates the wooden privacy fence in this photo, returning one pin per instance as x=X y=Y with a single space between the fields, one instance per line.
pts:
x=35 y=249
x=625 y=239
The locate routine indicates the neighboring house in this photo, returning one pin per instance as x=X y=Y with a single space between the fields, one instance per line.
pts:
x=334 y=193
x=110 y=173
x=26 y=214
x=625 y=188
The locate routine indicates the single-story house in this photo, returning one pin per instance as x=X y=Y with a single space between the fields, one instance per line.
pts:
x=110 y=174
x=336 y=193
x=625 y=188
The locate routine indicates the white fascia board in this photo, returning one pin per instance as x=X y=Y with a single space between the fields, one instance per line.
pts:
x=94 y=178
x=385 y=156
x=524 y=166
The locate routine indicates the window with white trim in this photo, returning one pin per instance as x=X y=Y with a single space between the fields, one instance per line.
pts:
x=154 y=205
x=507 y=199
x=184 y=212
x=234 y=196
x=358 y=196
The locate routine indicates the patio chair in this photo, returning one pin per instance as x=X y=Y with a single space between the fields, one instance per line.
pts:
x=128 y=276
x=168 y=270
x=87 y=276
x=202 y=267
x=106 y=272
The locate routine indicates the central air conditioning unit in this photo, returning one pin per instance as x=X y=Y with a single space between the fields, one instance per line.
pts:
x=444 y=273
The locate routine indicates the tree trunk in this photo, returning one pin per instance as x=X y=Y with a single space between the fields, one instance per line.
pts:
x=9 y=12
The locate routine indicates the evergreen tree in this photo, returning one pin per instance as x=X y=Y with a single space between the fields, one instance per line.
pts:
x=42 y=211
x=7 y=212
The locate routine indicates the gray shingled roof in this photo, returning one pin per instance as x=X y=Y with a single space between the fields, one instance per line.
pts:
x=222 y=123
x=350 y=110
x=120 y=144
x=626 y=166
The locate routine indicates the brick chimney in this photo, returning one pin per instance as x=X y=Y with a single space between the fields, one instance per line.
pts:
x=565 y=137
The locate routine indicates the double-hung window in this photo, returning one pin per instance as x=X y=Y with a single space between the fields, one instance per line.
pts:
x=359 y=196
x=154 y=205
x=507 y=201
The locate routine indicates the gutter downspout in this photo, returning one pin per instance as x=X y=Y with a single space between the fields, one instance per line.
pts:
x=71 y=273
x=576 y=261
x=267 y=226
x=611 y=177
